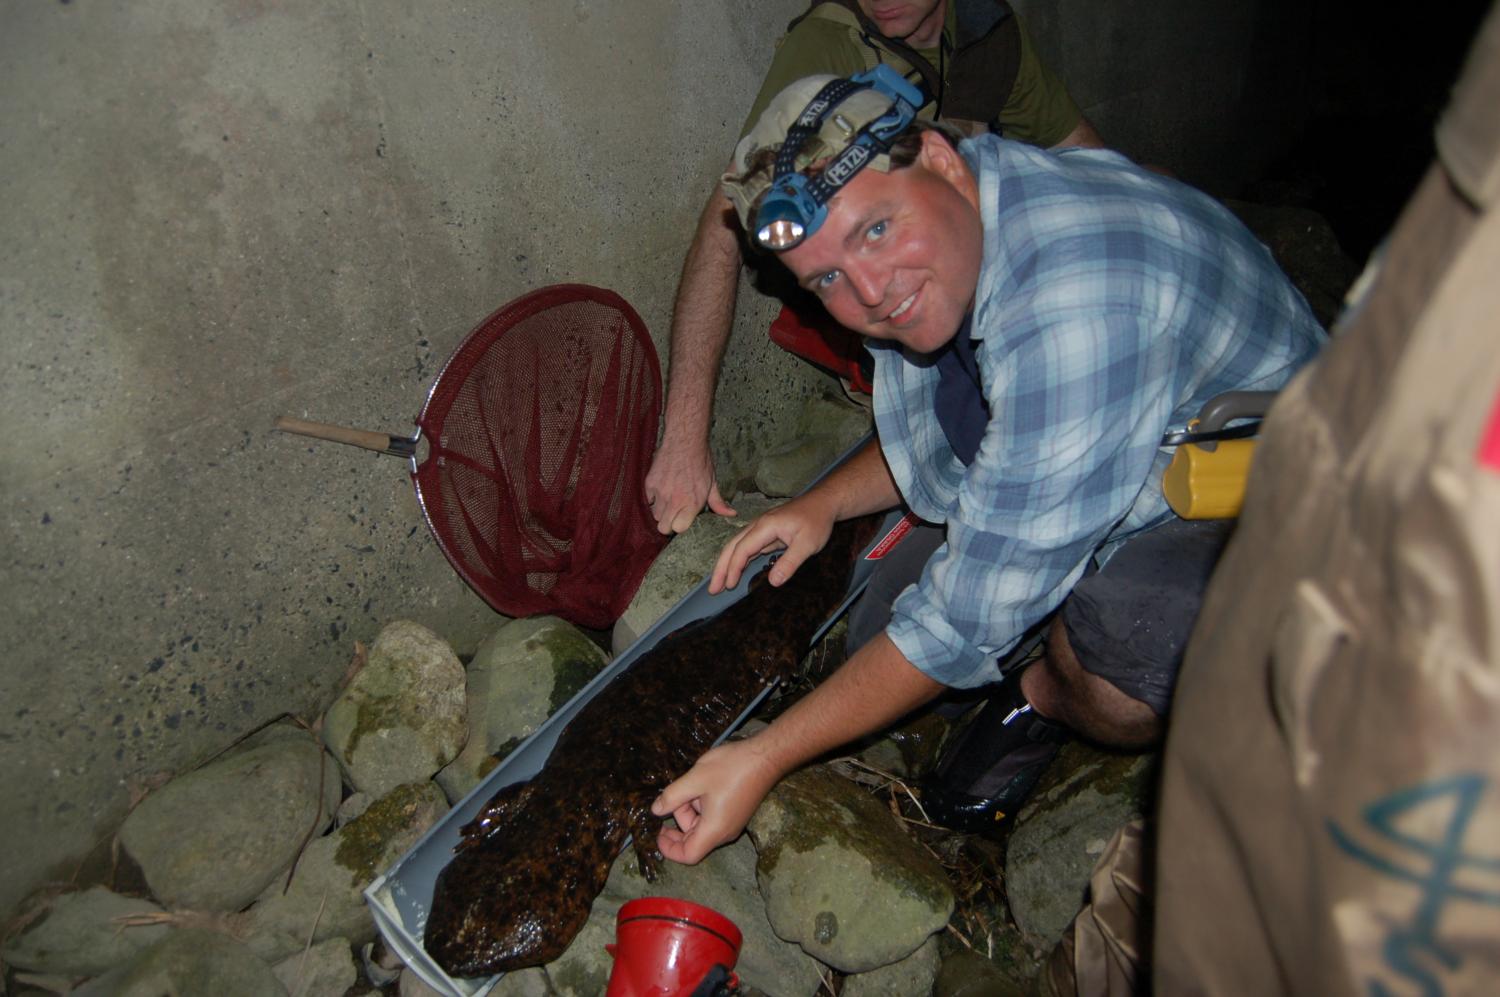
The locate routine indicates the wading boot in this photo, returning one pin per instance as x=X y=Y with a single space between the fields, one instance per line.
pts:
x=986 y=774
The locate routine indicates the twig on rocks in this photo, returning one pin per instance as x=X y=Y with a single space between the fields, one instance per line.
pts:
x=358 y=662
x=302 y=963
x=926 y=820
x=960 y=936
x=317 y=820
x=143 y=920
x=933 y=851
x=885 y=778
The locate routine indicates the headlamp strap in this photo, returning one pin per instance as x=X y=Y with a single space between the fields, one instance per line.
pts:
x=875 y=138
x=833 y=94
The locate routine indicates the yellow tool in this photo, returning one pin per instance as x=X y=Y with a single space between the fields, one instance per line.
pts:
x=1206 y=479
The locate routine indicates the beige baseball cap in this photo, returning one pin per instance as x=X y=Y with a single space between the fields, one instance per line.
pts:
x=834 y=135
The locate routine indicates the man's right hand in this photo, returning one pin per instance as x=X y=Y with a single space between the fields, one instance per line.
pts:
x=800 y=528
x=680 y=482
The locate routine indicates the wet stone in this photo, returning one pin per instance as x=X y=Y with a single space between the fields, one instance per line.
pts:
x=79 y=936
x=214 y=838
x=518 y=678
x=189 y=961
x=681 y=566
x=325 y=898
x=913 y=975
x=841 y=878
x=1086 y=795
x=324 y=970
x=964 y=973
x=402 y=716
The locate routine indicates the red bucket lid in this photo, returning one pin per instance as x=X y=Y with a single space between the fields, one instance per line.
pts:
x=684 y=911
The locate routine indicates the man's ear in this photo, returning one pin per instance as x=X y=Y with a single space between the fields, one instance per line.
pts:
x=939 y=156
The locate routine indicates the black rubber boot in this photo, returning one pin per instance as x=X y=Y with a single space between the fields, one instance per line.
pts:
x=989 y=771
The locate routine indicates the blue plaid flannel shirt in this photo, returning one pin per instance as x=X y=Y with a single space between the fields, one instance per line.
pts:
x=1111 y=304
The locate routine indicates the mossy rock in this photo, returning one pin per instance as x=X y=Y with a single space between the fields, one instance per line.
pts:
x=841 y=877
x=1086 y=795
x=402 y=717
x=521 y=675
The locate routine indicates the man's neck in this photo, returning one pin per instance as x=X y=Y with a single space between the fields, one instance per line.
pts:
x=930 y=30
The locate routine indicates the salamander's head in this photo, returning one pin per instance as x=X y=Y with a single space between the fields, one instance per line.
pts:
x=491 y=917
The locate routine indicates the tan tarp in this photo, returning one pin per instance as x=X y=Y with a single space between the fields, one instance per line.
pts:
x=1330 y=817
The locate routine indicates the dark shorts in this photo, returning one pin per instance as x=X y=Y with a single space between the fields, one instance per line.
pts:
x=1128 y=622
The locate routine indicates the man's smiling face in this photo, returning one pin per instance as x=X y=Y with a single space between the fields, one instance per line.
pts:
x=898 y=256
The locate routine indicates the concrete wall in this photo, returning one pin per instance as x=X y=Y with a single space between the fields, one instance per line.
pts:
x=218 y=211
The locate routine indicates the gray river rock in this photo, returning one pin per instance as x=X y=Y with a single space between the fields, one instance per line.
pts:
x=189 y=961
x=402 y=716
x=1060 y=833
x=325 y=970
x=518 y=678
x=913 y=975
x=213 y=838
x=79 y=935
x=324 y=899
x=841 y=878
x=681 y=565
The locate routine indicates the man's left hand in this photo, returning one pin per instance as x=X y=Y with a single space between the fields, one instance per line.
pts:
x=714 y=801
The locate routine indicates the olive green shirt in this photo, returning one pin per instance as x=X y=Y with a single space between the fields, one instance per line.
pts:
x=1038 y=110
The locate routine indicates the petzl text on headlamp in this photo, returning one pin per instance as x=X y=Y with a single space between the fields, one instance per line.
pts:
x=795 y=205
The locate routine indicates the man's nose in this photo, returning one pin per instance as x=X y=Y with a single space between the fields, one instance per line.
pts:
x=868 y=282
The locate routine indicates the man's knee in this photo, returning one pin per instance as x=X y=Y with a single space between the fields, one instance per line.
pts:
x=1118 y=641
x=1063 y=688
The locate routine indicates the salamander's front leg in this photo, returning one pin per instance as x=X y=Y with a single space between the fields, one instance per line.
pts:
x=644 y=827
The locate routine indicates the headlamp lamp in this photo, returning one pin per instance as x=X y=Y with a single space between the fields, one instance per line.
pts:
x=796 y=205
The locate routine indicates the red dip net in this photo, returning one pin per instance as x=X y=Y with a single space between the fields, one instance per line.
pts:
x=541 y=427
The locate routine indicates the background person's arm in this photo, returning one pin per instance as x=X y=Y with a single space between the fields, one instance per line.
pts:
x=681 y=478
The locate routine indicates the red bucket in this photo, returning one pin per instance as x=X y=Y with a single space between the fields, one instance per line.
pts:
x=666 y=947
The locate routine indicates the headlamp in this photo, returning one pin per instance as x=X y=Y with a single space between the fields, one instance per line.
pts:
x=795 y=205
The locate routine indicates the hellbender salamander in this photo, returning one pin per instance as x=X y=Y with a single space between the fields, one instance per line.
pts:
x=527 y=870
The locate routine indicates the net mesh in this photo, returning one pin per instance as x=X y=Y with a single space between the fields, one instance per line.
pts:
x=541 y=429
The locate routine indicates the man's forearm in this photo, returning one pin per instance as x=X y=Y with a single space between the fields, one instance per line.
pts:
x=701 y=320
x=869 y=692
x=861 y=485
